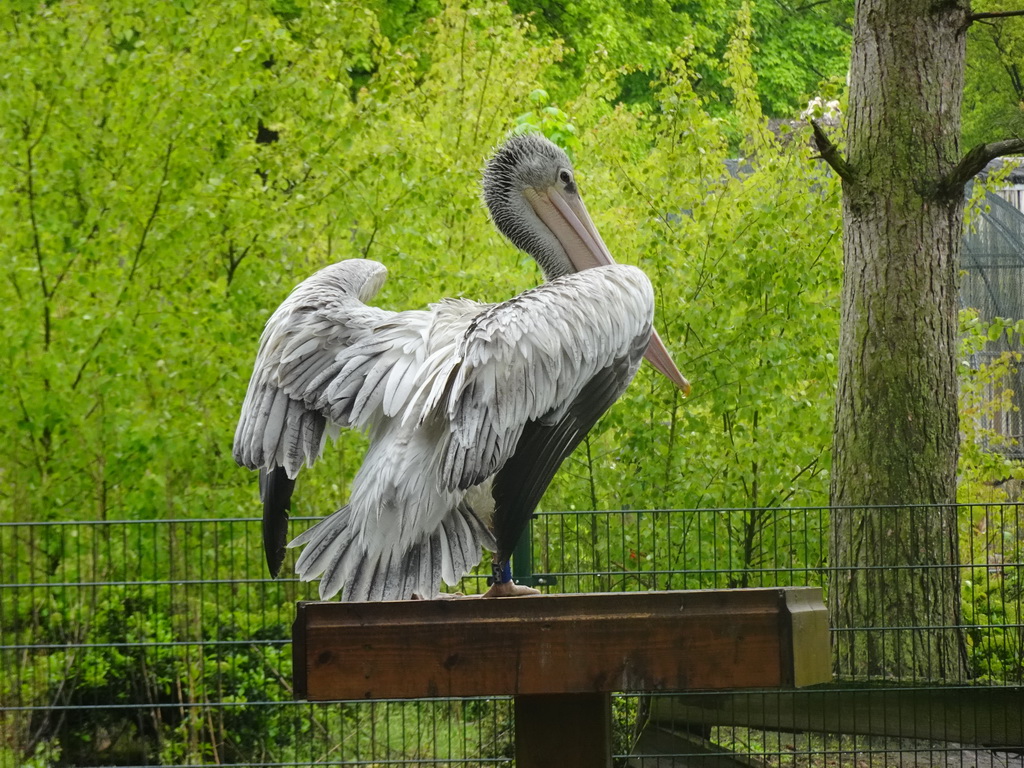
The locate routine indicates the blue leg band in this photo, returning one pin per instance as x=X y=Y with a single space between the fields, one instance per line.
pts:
x=501 y=573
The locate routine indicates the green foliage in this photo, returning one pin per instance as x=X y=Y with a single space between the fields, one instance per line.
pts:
x=984 y=467
x=992 y=614
x=166 y=196
x=549 y=120
x=994 y=76
x=796 y=48
x=992 y=602
x=174 y=630
x=755 y=136
x=747 y=271
x=988 y=535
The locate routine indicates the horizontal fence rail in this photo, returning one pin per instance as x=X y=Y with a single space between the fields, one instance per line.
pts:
x=163 y=642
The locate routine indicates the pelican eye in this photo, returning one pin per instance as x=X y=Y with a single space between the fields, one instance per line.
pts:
x=565 y=176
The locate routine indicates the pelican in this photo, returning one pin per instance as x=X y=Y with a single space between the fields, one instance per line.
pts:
x=469 y=408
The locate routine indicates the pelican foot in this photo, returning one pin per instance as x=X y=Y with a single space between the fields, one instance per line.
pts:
x=438 y=596
x=509 y=589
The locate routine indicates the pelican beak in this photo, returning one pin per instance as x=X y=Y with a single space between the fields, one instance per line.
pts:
x=658 y=356
x=568 y=219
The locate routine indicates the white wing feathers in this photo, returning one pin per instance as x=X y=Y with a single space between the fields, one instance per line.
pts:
x=489 y=368
x=326 y=361
x=528 y=359
x=386 y=373
x=299 y=354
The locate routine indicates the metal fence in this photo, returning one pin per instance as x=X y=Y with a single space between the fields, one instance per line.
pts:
x=162 y=642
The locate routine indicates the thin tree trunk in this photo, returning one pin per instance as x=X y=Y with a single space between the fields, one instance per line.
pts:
x=896 y=429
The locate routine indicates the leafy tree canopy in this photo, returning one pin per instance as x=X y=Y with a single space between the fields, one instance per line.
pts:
x=994 y=88
x=172 y=171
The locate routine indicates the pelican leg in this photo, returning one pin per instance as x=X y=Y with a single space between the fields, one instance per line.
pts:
x=502 y=584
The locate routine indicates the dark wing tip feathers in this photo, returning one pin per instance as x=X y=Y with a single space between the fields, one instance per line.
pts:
x=276 y=492
x=542 y=447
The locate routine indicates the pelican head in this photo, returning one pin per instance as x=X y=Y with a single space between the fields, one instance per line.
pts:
x=530 y=191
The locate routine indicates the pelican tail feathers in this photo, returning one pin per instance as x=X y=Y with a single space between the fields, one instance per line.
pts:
x=369 y=562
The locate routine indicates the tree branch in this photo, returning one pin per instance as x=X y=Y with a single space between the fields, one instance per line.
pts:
x=808 y=6
x=149 y=221
x=974 y=161
x=37 y=247
x=830 y=153
x=992 y=15
x=1009 y=63
x=136 y=261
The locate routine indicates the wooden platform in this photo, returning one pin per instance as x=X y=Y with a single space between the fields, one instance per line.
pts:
x=561 y=656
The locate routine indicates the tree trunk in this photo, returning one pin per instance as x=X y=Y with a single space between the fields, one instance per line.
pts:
x=896 y=429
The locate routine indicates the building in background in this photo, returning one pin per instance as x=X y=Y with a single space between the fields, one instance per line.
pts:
x=993 y=283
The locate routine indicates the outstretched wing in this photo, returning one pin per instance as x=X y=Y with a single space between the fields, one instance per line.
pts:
x=301 y=351
x=533 y=376
x=309 y=372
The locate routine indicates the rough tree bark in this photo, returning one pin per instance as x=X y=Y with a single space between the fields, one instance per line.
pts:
x=896 y=429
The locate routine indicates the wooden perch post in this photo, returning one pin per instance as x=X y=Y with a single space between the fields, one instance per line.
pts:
x=561 y=656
